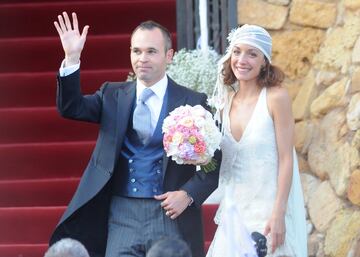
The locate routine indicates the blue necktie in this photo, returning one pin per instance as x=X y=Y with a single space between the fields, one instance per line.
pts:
x=142 y=117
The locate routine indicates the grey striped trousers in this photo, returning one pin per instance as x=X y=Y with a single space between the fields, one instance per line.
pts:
x=135 y=224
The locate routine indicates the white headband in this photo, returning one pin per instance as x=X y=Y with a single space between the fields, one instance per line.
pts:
x=252 y=35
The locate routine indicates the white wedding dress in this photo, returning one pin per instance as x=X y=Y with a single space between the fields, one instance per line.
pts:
x=248 y=181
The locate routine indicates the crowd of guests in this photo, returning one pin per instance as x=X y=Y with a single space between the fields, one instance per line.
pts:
x=165 y=247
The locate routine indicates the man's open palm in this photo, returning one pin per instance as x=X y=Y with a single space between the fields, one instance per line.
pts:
x=71 y=40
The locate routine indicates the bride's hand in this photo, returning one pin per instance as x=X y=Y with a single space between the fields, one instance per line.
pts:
x=276 y=227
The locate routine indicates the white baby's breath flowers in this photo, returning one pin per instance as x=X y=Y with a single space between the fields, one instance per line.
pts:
x=195 y=69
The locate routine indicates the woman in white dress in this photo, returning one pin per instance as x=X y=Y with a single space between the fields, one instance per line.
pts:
x=259 y=173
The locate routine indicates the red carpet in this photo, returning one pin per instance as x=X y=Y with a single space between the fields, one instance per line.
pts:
x=43 y=155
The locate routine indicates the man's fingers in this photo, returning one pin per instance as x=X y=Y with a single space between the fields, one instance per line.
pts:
x=174 y=216
x=62 y=24
x=57 y=26
x=75 y=22
x=67 y=21
x=84 y=32
x=160 y=197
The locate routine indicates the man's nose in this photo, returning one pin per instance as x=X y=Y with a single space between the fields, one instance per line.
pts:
x=143 y=57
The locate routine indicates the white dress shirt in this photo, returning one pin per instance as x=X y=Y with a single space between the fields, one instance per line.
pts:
x=156 y=100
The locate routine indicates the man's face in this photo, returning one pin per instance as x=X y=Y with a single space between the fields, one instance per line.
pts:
x=148 y=55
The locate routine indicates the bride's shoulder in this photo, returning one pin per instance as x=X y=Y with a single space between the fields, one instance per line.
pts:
x=278 y=98
x=278 y=93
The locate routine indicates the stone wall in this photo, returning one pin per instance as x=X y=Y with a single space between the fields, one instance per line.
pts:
x=317 y=45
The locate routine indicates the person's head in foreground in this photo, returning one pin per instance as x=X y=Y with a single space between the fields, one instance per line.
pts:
x=169 y=247
x=67 y=247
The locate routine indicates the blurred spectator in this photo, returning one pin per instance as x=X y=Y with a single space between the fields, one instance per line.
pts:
x=169 y=247
x=67 y=247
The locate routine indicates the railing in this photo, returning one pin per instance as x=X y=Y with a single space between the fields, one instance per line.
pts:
x=221 y=18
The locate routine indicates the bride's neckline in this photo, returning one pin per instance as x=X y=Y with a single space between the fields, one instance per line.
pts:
x=246 y=127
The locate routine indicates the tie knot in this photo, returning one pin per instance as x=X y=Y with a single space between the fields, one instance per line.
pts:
x=146 y=93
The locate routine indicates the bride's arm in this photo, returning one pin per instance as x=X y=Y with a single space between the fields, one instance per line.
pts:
x=280 y=108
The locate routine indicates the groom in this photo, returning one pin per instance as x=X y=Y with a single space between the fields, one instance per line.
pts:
x=130 y=194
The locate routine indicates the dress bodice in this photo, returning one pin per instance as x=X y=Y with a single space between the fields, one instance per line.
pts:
x=250 y=165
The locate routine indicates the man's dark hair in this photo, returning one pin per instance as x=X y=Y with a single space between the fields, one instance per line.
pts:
x=169 y=247
x=150 y=25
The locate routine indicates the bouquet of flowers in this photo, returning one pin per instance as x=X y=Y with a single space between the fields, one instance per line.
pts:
x=191 y=136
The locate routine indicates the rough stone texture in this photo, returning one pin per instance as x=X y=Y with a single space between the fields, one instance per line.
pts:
x=339 y=173
x=326 y=78
x=353 y=193
x=279 y=2
x=303 y=164
x=315 y=241
x=355 y=81
x=309 y=184
x=332 y=160
x=352 y=4
x=332 y=97
x=342 y=233
x=301 y=46
x=307 y=92
x=356 y=140
x=343 y=131
x=261 y=13
x=322 y=154
x=355 y=248
x=354 y=158
x=356 y=52
x=313 y=245
x=335 y=54
x=353 y=114
x=303 y=135
x=321 y=252
x=313 y=13
x=323 y=206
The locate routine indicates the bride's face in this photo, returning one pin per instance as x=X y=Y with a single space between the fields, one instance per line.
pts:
x=246 y=62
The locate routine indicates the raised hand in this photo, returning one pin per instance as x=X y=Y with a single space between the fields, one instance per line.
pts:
x=71 y=40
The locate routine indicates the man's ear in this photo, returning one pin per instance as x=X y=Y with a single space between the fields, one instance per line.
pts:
x=169 y=56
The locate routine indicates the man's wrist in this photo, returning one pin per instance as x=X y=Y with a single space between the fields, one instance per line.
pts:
x=191 y=200
x=71 y=60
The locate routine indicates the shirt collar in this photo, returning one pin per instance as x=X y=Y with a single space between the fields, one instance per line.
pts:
x=159 y=88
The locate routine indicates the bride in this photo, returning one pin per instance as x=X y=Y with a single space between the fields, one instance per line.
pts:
x=259 y=172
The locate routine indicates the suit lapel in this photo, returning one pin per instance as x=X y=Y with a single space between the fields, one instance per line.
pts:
x=176 y=98
x=125 y=101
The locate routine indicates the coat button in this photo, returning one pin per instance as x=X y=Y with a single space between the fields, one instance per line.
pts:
x=132 y=180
